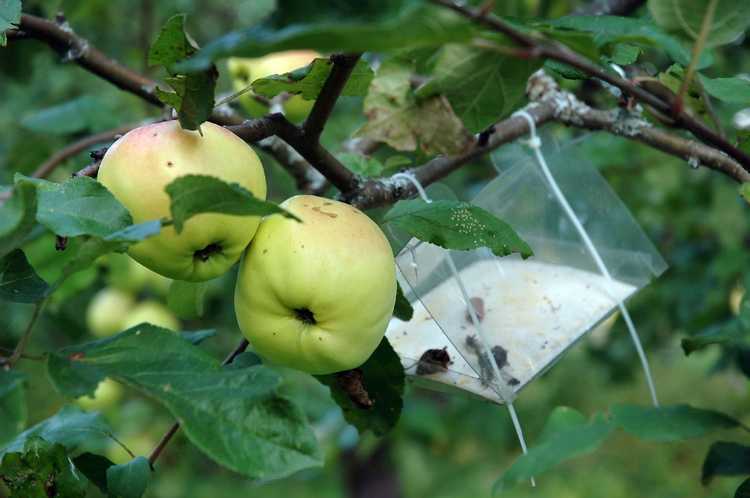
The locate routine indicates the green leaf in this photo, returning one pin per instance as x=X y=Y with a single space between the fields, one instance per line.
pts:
x=403 y=309
x=71 y=427
x=731 y=90
x=235 y=416
x=456 y=225
x=186 y=299
x=669 y=423
x=418 y=25
x=94 y=467
x=731 y=332
x=195 y=194
x=129 y=480
x=482 y=86
x=193 y=96
x=624 y=54
x=13 y=411
x=17 y=216
x=361 y=165
x=566 y=436
x=396 y=117
x=744 y=490
x=725 y=459
x=42 y=469
x=308 y=81
x=383 y=379
x=10 y=16
x=84 y=113
x=19 y=283
x=634 y=31
x=198 y=336
x=561 y=418
x=79 y=206
x=730 y=19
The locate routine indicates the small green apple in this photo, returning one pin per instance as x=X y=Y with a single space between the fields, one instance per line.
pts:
x=735 y=299
x=107 y=311
x=107 y=393
x=316 y=295
x=152 y=312
x=138 y=167
x=244 y=71
x=139 y=444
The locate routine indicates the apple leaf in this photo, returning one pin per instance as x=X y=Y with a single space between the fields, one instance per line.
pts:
x=403 y=309
x=17 y=215
x=19 y=282
x=193 y=95
x=686 y=16
x=456 y=225
x=396 y=117
x=10 y=16
x=71 y=427
x=78 y=206
x=186 y=298
x=731 y=90
x=744 y=490
x=81 y=114
x=129 y=480
x=669 y=423
x=481 y=85
x=308 y=81
x=41 y=469
x=725 y=459
x=361 y=165
x=417 y=25
x=195 y=194
x=235 y=416
x=94 y=467
x=566 y=436
x=382 y=377
x=13 y=411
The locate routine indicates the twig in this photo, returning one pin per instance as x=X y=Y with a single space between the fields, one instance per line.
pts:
x=343 y=65
x=542 y=48
x=700 y=42
x=71 y=150
x=24 y=341
x=241 y=347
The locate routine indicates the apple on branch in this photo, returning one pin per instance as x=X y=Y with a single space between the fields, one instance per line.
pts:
x=316 y=296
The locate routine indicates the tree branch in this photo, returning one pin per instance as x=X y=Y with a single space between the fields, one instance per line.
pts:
x=71 y=150
x=343 y=65
x=539 y=47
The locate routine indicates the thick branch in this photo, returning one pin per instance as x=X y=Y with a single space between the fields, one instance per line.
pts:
x=343 y=65
x=539 y=47
x=71 y=150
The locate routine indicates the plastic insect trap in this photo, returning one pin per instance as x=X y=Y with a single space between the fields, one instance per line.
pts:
x=491 y=325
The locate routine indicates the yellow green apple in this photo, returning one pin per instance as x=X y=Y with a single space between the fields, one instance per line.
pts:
x=107 y=311
x=138 y=444
x=735 y=299
x=138 y=167
x=316 y=295
x=152 y=312
x=107 y=393
x=244 y=71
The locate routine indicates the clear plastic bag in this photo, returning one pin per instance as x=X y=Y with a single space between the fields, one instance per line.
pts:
x=526 y=313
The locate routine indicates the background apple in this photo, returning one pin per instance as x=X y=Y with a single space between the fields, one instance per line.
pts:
x=107 y=311
x=317 y=295
x=138 y=167
x=244 y=71
x=107 y=393
x=152 y=312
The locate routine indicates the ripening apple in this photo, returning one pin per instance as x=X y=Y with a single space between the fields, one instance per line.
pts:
x=316 y=295
x=138 y=167
x=152 y=312
x=107 y=311
x=735 y=299
x=107 y=393
x=244 y=71
x=139 y=444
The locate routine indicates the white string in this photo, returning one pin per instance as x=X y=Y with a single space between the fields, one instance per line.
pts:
x=535 y=144
x=505 y=396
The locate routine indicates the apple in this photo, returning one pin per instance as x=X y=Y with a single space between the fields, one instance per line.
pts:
x=244 y=71
x=107 y=311
x=316 y=295
x=152 y=312
x=735 y=299
x=139 y=444
x=107 y=393
x=138 y=167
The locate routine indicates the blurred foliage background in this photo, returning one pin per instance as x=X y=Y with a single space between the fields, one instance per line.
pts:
x=444 y=446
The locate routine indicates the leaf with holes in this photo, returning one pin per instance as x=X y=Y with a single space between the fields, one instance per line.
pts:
x=456 y=225
x=235 y=416
x=195 y=194
x=481 y=85
x=308 y=81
